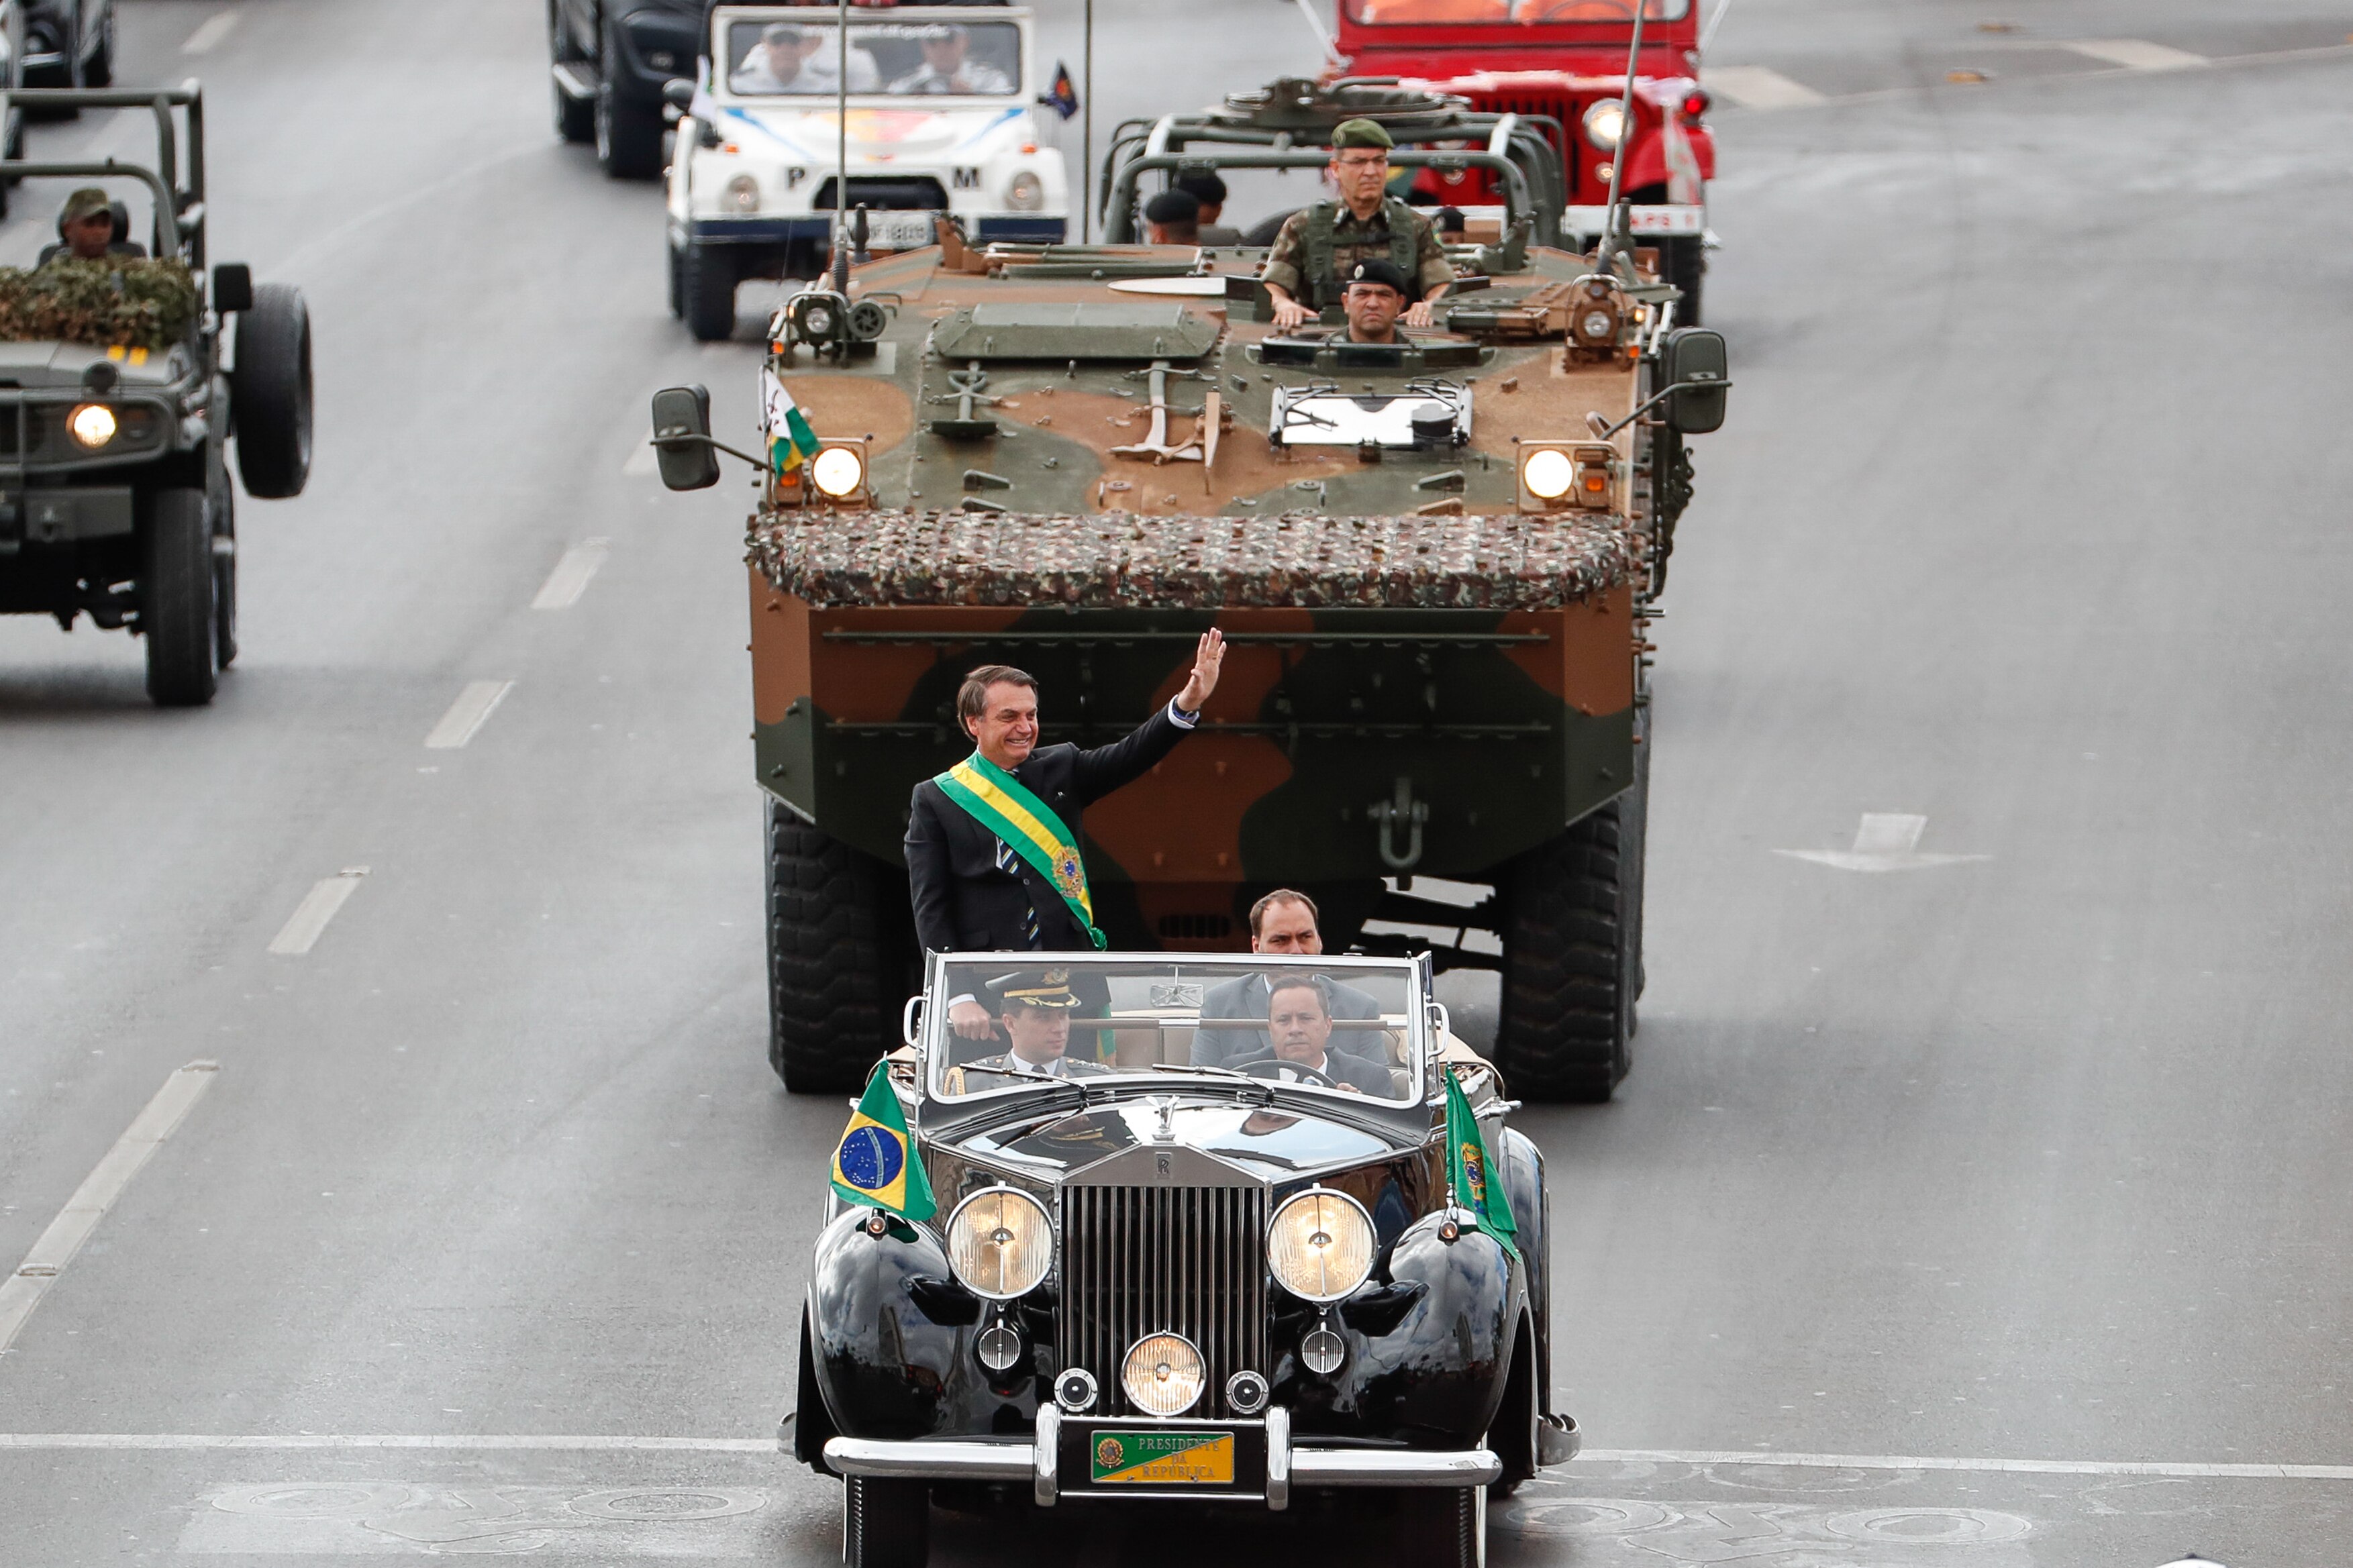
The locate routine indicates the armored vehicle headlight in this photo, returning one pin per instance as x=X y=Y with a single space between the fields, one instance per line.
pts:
x=743 y=194
x=1001 y=1243
x=1026 y=193
x=1163 y=1375
x=1605 y=124
x=1547 y=473
x=1320 y=1245
x=92 y=425
x=838 y=471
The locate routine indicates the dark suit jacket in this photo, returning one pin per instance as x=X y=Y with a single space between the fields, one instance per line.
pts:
x=1246 y=998
x=963 y=903
x=1362 y=1076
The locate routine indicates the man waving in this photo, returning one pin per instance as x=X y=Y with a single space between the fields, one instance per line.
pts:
x=993 y=846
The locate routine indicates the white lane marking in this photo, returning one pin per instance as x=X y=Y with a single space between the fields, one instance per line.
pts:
x=570 y=579
x=469 y=713
x=23 y=1290
x=1758 y=87
x=644 y=462
x=2134 y=54
x=2233 y=1472
x=208 y=38
x=172 y=1442
x=1883 y=841
x=309 y=921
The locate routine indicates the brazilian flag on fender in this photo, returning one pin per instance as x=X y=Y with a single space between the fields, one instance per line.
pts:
x=1477 y=1185
x=876 y=1163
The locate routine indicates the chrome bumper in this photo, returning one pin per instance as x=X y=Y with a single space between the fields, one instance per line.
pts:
x=1287 y=1466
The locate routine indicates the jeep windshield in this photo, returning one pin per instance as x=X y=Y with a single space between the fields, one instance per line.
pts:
x=1338 y=1025
x=796 y=59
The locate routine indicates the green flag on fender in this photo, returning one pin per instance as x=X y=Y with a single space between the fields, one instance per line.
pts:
x=877 y=1162
x=1478 y=1187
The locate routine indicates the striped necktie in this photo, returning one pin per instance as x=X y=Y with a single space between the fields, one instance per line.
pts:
x=1006 y=862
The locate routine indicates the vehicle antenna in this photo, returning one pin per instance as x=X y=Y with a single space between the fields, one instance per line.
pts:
x=1613 y=222
x=1315 y=26
x=1712 y=24
x=841 y=148
x=1087 y=128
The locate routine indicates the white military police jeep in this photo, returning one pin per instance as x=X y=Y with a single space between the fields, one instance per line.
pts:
x=940 y=121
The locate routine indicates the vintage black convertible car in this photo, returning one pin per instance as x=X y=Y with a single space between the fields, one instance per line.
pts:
x=1183 y=1255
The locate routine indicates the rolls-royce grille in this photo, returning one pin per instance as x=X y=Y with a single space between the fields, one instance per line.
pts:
x=1141 y=1260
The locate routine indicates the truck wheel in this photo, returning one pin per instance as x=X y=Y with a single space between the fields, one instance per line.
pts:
x=98 y=69
x=1683 y=260
x=678 y=284
x=706 y=290
x=175 y=600
x=224 y=554
x=841 y=934
x=270 y=393
x=576 y=118
x=1443 y=1527
x=1572 y=957
x=885 y=1524
x=628 y=135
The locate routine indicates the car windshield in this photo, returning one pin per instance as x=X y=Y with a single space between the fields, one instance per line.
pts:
x=1507 y=13
x=803 y=59
x=1339 y=1026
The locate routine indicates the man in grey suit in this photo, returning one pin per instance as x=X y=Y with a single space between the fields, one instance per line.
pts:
x=1283 y=922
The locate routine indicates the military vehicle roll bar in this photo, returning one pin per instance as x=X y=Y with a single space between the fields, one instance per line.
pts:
x=179 y=209
x=1519 y=200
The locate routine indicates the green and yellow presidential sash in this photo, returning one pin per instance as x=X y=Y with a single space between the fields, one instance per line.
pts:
x=999 y=801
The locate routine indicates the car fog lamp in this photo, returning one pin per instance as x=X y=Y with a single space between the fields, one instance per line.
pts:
x=1163 y=1375
x=1000 y=1242
x=1320 y=1245
x=92 y=424
x=1026 y=193
x=1547 y=474
x=998 y=1347
x=1605 y=124
x=1074 y=1390
x=838 y=471
x=1322 y=1350
x=1246 y=1393
x=743 y=194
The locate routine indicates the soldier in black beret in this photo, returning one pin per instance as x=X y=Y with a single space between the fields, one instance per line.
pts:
x=1376 y=293
x=1175 y=218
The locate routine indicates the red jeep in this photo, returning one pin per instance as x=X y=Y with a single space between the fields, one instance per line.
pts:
x=1565 y=61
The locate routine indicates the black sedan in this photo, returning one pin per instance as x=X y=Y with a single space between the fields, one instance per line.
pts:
x=609 y=59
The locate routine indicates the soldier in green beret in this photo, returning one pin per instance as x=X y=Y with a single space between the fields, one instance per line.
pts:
x=1321 y=247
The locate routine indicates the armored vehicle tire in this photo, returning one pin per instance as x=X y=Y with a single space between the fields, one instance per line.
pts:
x=840 y=927
x=1443 y=1527
x=1572 y=958
x=175 y=600
x=885 y=1524
x=706 y=288
x=270 y=394
x=628 y=135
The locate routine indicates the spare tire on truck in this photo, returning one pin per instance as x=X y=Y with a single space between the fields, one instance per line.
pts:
x=269 y=392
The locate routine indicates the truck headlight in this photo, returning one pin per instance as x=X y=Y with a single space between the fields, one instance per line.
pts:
x=92 y=425
x=1163 y=1374
x=1320 y=1245
x=1605 y=124
x=1548 y=473
x=1000 y=1241
x=743 y=194
x=838 y=471
x=1026 y=193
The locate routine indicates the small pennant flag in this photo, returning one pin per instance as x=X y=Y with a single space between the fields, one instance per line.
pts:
x=791 y=442
x=1478 y=1188
x=1063 y=98
x=876 y=1161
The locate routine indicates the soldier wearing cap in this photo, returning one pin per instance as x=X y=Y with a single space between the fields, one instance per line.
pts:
x=1034 y=1008
x=946 y=71
x=1376 y=293
x=86 y=230
x=1206 y=187
x=1318 y=248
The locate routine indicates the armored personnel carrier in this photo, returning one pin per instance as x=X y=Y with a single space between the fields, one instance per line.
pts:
x=1434 y=562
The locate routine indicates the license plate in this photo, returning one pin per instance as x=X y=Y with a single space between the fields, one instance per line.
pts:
x=1162 y=1459
x=1641 y=219
x=898 y=231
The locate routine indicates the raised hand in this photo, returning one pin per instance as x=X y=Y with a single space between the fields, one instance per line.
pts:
x=1208 y=659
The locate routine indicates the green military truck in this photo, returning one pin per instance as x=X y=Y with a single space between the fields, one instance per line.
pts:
x=117 y=410
x=1434 y=563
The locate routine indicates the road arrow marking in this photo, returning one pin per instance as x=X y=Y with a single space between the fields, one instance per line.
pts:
x=1883 y=841
x=1758 y=87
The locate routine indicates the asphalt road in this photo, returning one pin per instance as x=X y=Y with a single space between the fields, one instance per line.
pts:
x=2028 y=522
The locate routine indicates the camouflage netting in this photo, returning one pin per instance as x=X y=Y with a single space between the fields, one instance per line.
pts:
x=1124 y=561
x=137 y=303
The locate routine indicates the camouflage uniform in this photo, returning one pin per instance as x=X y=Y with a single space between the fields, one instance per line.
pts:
x=1395 y=233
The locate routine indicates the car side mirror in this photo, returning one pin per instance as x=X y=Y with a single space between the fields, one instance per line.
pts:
x=232 y=286
x=1693 y=361
x=683 y=444
x=679 y=94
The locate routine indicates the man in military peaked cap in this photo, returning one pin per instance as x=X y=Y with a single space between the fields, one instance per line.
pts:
x=1035 y=1007
x=1319 y=248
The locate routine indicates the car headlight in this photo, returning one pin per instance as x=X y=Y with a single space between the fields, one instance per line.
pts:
x=1548 y=473
x=1605 y=124
x=743 y=194
x=1000 y=1241
x=1320 y=1245
x=838 y=471
x=1163 y=1375
x=1026 y=193
x=92 y=425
